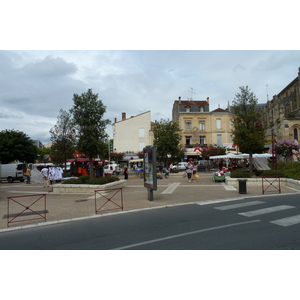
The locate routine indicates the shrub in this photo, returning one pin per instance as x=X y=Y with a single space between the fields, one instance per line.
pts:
x=87 y=180
x=266 y=173
x=239 y=174
x=84 y=179
x=72 y=181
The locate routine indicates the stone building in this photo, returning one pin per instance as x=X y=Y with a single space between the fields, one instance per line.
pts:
x=282 y=114
x=200 y=126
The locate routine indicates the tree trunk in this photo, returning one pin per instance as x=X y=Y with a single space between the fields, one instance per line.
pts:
x=251 y=163
x=91 y=168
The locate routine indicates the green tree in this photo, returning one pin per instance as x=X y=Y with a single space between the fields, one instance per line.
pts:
x=63 y=138
x=43 y=154
x=212 y=151
x=248 y=131
x=16 y=145
x=167 y=136
x=90 y=126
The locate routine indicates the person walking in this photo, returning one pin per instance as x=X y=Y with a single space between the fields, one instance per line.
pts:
x=125 y=173
x=28 y=175
x=195 y=175
x=189 y=171
x=45 y=174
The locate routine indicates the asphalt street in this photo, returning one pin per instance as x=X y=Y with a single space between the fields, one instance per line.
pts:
x=258 y=223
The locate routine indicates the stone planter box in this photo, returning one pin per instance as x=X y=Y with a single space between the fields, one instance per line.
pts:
x=85 y=188
x=258 y=182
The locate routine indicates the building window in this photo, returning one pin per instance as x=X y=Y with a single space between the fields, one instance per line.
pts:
x=202 y=140
x=187 y=109
x=219 y=124
x=188 y=125
x=142 y=145
x=296 y=134
x=201 y=125
x=201 y=108
x=141 y=132
x=219 y=140
x=188 y=140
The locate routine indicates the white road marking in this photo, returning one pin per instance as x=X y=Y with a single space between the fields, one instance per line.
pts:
x=265 y=210
x=228 y=187
x=171 y=188
x=183 y=234
x=287 y=221
x=232 y=206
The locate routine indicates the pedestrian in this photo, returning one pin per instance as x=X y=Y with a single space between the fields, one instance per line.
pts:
x=160 y=168
x=166 y=172
x=28 y=175
x=171 y=168
x=45 y=174
x=125 y=173
x=195 y=175
x=189 y=171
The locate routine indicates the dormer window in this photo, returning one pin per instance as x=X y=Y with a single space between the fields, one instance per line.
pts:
x=201 y=108
x=187 y=109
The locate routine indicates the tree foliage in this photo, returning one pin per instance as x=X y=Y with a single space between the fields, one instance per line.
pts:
x=90 y=126
x=249 y=133
x=16 y=145
x=167 y=136
x=63 y=138
x=212 y=151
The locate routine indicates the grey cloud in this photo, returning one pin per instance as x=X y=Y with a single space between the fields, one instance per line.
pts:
x=50 y=67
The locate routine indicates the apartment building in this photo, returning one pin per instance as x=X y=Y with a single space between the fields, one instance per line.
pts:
x=202 y=127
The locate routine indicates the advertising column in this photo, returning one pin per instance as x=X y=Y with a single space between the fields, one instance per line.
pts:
x=150 y=178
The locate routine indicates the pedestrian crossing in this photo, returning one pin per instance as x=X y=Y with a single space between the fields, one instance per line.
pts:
x=285 y=222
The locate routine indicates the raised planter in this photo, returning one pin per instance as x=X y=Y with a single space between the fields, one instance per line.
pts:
x=258 y=182
x=86 y=188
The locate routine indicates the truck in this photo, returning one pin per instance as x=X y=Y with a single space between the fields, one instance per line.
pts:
x=12 y=172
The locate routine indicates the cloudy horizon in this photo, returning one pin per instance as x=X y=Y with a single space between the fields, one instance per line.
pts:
x=35 y=85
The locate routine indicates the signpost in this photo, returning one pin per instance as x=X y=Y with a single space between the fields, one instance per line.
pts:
x=150 y=177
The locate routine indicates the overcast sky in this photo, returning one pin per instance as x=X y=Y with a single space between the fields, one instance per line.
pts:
x=36 y=84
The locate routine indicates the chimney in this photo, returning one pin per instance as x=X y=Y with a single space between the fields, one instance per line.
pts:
x=179 y=99
x=207 y=99
x=123 y=116
x=115 y=120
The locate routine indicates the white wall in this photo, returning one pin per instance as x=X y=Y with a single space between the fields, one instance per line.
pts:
x=132 y=134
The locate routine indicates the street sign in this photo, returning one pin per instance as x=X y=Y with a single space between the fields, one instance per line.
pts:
x=150 y=177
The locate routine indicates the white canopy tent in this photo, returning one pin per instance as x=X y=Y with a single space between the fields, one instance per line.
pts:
x=259 y=160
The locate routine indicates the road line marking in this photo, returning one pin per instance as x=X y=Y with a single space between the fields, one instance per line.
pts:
x=228 y=187
x=287 y=221
x=171 y=188
x=232 y=206
x=184 y=234
x=266 y=210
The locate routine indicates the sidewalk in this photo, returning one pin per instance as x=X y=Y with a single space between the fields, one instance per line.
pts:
x=172 y=191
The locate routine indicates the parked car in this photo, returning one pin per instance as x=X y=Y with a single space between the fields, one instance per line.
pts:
x=181 y=166
x=112 y=169
x=203 y=164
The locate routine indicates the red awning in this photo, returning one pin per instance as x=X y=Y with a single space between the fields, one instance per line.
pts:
x=78 y=159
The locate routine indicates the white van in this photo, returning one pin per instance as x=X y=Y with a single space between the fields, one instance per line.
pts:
x=12 y=172
x=112 y=169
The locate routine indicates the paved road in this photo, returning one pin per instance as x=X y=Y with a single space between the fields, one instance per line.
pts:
x=249 y=223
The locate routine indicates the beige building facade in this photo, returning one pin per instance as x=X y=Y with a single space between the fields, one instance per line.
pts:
x=200 y=126
x=281 y=115
x=131 y=135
